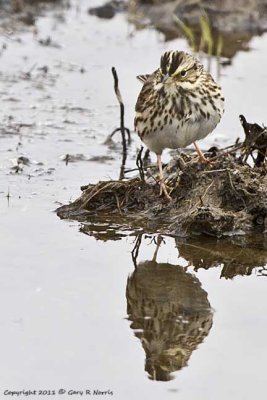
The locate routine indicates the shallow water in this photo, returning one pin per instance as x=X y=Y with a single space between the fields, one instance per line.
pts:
x=65 y=296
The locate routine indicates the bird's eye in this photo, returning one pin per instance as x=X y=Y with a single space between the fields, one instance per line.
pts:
x=183 y=73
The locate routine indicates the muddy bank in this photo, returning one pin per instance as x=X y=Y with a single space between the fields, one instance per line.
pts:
x=16 y=14
x=226 y=198
x=231 y=24
x=226 y=28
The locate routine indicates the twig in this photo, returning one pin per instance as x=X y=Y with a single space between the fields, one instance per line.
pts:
x=127 y=171
x=139 y=163
x=122 y=128
x=256 y=139
x=214 y=170
x=117 y=130
x=234 y=189
x=135 y=251
x=87 y=201
x=146 y=157
x=226 y=153
x=118 y=203
x=202 y=196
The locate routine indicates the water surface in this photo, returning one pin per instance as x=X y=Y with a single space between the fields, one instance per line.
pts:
x=77 y=312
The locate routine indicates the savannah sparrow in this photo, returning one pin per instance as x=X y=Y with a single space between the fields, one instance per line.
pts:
x=179 y=103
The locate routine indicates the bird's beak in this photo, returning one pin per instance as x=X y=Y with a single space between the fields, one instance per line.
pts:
x=165 y=77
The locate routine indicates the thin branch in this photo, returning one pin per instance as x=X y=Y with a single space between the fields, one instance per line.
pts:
x=135 y=251
x=223 y=153
x=139 y=164
x=122 y=128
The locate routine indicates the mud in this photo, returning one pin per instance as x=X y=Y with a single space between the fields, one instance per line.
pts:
x=226 y=198
x=232 y=23
x=16 y=15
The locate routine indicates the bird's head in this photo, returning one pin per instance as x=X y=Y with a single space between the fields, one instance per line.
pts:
x=180 y=68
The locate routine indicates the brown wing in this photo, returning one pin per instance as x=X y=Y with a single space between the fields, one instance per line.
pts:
x=143 y=78
x=144 y=95
x=146 y=91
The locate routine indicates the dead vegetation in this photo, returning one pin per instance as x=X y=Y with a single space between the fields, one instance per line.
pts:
x=225 y=198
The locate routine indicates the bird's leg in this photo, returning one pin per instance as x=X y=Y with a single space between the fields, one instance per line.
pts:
x=201 y=157
x=159 y=240
x=163 y=188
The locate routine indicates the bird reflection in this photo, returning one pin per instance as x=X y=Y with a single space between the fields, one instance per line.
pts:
x=170 y=314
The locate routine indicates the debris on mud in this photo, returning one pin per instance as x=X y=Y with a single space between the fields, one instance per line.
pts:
x=225 y=198
x=256 y=139
x=215 y=27
x=232 y=23
x=14 y=14
x=108 y=10
x=72 y=158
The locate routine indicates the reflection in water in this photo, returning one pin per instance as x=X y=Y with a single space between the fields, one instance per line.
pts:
x=169 y=311
x=170 y=314
x=238 y=257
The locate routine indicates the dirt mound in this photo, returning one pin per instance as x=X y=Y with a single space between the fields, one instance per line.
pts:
x=225 y=198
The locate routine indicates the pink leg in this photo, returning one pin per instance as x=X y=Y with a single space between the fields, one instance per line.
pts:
x=201 y=157
x=163 y=188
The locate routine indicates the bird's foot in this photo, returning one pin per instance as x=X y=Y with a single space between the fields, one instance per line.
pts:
x=203 y=160
x=163 y=190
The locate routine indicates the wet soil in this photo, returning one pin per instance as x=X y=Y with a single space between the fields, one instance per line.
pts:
x=17 y=15
x=233 y=23
x=230 y=24
x=222 y=199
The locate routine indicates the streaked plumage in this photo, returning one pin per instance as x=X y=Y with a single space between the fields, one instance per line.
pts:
x=179 y=104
